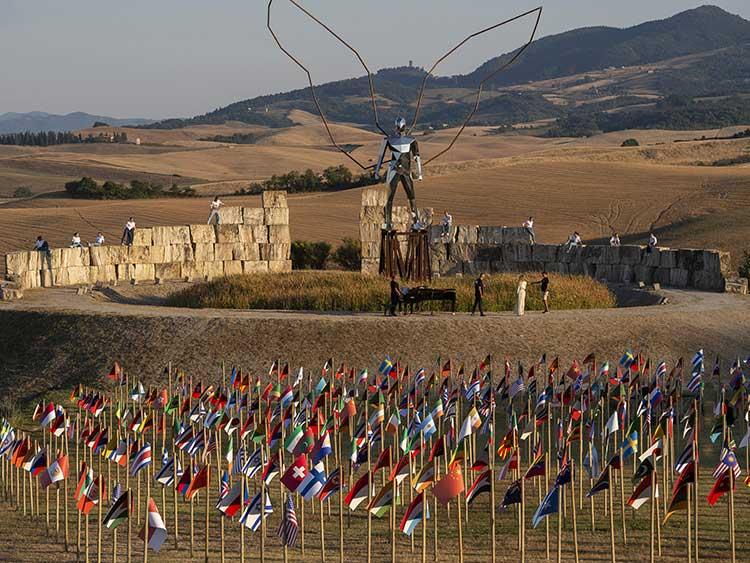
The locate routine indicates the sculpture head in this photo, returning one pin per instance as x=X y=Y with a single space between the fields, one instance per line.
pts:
x=400 y=125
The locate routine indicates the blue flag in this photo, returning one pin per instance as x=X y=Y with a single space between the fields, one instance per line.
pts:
x=549 y=505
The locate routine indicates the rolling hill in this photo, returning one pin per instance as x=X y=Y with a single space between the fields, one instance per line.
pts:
x=37 y=121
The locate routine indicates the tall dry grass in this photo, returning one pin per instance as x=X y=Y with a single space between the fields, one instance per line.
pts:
x=353 y=292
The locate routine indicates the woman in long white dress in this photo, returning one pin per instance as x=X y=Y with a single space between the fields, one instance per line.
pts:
x=521 y=296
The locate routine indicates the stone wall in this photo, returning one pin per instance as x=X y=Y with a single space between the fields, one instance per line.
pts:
x=473 y=249
x=248 y=240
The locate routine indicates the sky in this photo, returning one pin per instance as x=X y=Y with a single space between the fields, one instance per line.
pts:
x=174 y=58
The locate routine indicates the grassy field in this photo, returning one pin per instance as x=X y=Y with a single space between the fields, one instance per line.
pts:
x=344 y=291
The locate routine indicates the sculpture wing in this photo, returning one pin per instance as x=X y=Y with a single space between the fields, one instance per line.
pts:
x=537 y=11
x=310 y=81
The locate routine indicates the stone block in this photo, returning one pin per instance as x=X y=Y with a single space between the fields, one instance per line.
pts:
x=710 y=261
x=119 y=254
x=105 y=274
x=178 y=253
x=708 y=281
x=30 y=279
x=254 y=267
x=279 y=266
x=279 y=233
x=685 y=259
x=124 y=272
x=462 y=252
x=651 y=259
x=224 y=251
x=736 y=285
x=233 y=268
x=518 y=253
x=516 y=235
x=678 y=277
x=140 y=254
x=452 y=267
x=192 y=270
x=603 y=271
x=142 y=237
x=202 y=234
x=476 y=267
x=489 y=253
x=576 y=268
x=164 y=236
x=17 y=262
x=247 y=252
x=668 y=258
x=628 y=275
x=372 y=250
x=167 y=271
x=253 y=216
x=630 y=255
x=273 y=198
x=557 y=267
x=213 y=270
x=276 y=215
x=425 y=215
x=544 y=252
x=644 y=274
x=227 y=234
x=47 y=277
x=100 y=255
x=568 y=255
x=374 y=197
x=610 y=255
x=371 y=214
x=467 y=234
x=74 y=257
x=370 y=232
x=370 y=266
x=662 y=276
x=143 y=272
x=231 y=215
x=594 y=254
x=490 y=235
x=203 y=252
x=725 y=262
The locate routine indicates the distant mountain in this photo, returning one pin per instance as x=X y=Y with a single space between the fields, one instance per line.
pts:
x=716 y=42
x=37 y=121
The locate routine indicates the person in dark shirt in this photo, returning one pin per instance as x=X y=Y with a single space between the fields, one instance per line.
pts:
x=395 y=296
x=478 y=295
x=544 y=287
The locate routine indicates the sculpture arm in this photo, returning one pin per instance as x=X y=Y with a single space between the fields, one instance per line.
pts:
x=379 y=165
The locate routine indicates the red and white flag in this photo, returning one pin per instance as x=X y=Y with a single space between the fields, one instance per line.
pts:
x=56 y=472
x=157 y=531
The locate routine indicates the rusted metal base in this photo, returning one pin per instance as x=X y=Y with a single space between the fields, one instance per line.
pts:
x=416 y=267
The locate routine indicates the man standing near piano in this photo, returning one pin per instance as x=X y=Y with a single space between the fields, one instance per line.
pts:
x=478 y=295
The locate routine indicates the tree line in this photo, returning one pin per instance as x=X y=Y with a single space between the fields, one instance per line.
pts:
x=50 y=138
x=87 y=188
x=332 y=178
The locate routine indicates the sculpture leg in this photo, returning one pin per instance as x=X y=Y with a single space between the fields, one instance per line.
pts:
x=409 y=189
x=392 y=186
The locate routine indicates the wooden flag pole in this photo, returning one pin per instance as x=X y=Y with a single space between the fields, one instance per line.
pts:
x=575 y=521
x=460 y=530
x=65 y=491
x=208 y=505
x=559 y=532
x=322 y=535
x=341 y=509
x=99 y=518
x=688 y=520
x=610 y=490
x=145 y=524
x=731 y=515
x=653 y=515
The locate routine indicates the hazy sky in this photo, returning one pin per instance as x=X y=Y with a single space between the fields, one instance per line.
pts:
x=163 y=58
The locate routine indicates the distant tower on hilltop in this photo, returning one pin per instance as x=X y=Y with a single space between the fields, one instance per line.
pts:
x=411 y=63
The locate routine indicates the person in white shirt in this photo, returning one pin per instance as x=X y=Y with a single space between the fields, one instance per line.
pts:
x=215 y=205
x=446 y=223
x=529 y=226
x=573 y=241
x=614 y=240
x=99 y=240
x=41 y=245
x=128 y=233
x=652 y=242
x=75 y=242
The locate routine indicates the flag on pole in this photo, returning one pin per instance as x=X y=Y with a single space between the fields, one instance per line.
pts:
x=118 y=512
x=295 y=473
x=358 y=493
x=288 y=528
x=381 y=503
x=332 y=486
x=602 y=483
x=549 y=505
x=56 y=472
x=251 y=516
x=157 y=531
x=198 y=482
x=471 y=423
x=512 y=495
x=642 y=493
x=413 y=515
x=313 y=482
x=480 y=485
x=449 y=486
x=141 y=460
x=233 y=500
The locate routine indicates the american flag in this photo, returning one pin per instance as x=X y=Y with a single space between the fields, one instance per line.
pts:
x=288 y=527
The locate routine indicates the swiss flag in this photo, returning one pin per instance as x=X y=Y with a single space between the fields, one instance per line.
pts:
x=296 y=473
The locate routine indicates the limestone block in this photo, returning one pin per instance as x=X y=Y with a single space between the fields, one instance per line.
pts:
x=501 y=267
x=124 y=272
x=224 y=251
x=710 y=260
x=644 y=274
x=489 y=253
x=736 y=285
x=274 y=198
x=372 y=250
x=371 y=214
x=610 y=254
x=276 y=215
x=370 y=266
x=142 y=237
x=105 y=274
x=425 y=216
x=281 y=266
x=179 y=253
x=202 y=234
x=230 y=215
x=247 y=252
x=160 y=254
x=369 y=232
x=630 y=255
x=279 y=233
x=47 y=278
x=213 y=269
x=544 y=252
x=725 y=262
x=74 y=257
x=30 y=280
x=253 y=216
x=233 y=268
x=518 y=253
x=119 y=254
x=577 y=268
x=663 y=276
x=227 y=234
x=651 y=259
x=628 y=275
x=17 y=262
x=708 y=281
x=594 y=254
x=462 y=252
x=557 y=267
x=490 y=235
x=516 y=235
x=685 y=259
x=167 y=271
x=203 y=252
x=143 y=272
x=279 y=251
x=569 y=255
x=374 y=197
x=140 y=254
x=452 y=267
x=679 y=277
x=101 y=255
x=192 y=270
x=467 y=234
x=603 y=271
x=668 y=259
x=254 y=266
x=164 y=236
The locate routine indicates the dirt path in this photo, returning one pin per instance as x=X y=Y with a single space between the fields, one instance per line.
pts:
x=55 y=338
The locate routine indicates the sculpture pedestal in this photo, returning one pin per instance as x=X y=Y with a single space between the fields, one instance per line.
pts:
x=416 y=266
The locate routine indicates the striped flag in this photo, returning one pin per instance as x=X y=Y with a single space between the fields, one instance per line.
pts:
x=118 y=512
x=413 y=515
x=141 y=460
x=157 y=531
x=251 y=516
x=288 y=528
x=728 y=461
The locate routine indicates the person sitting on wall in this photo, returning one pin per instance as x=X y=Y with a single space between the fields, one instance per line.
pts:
x=75 y=242
x=99 y=240
x=574 y=240
x=614 y=240
x=652 y=242
x=41 y=245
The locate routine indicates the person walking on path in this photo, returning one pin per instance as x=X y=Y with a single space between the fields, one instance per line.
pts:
x=395 y=296
x=544 y=287
x=652 y=242
x=478 y=295
x=529 y=226
x=521 y=296
x=128 y=233
x=215 y=205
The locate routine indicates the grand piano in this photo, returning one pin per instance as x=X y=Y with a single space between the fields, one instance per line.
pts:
x=415 y=297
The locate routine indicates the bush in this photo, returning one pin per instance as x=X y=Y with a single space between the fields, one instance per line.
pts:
x=630 y=143
x=87 y=188
x=23 y=191
x=310 y=255
x=349 y=255
x=744 y=268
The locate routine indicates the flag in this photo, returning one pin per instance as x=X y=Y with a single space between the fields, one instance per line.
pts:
x=157 y=531
x=332 y=486
x=470 y=424
x=322 y=448
x=512 y=495
x=251 y=516
x=56 y=472
x=728 y=461
x=425 y=477
x=198 y=482
x=118 y=512
x=295 y=473
x=679 y=499
x=549 y=505
x=313 y=482
x=232 y=501
x=141 y=460
x=602 y=483
x=381 y=503
x=413 y=515
x=480 y=485
x=612 y=424
x=288 y=527
x=721 y=486
x=359 y=492
x=642 y=493
x=449 y=486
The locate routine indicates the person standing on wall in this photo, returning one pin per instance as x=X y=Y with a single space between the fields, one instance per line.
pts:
x=529 y=226
x=215 y=205
x=544 y=287
x=128 y=233
x=478 y=295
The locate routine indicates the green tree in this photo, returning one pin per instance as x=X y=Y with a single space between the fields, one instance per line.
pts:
x=349 y=254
